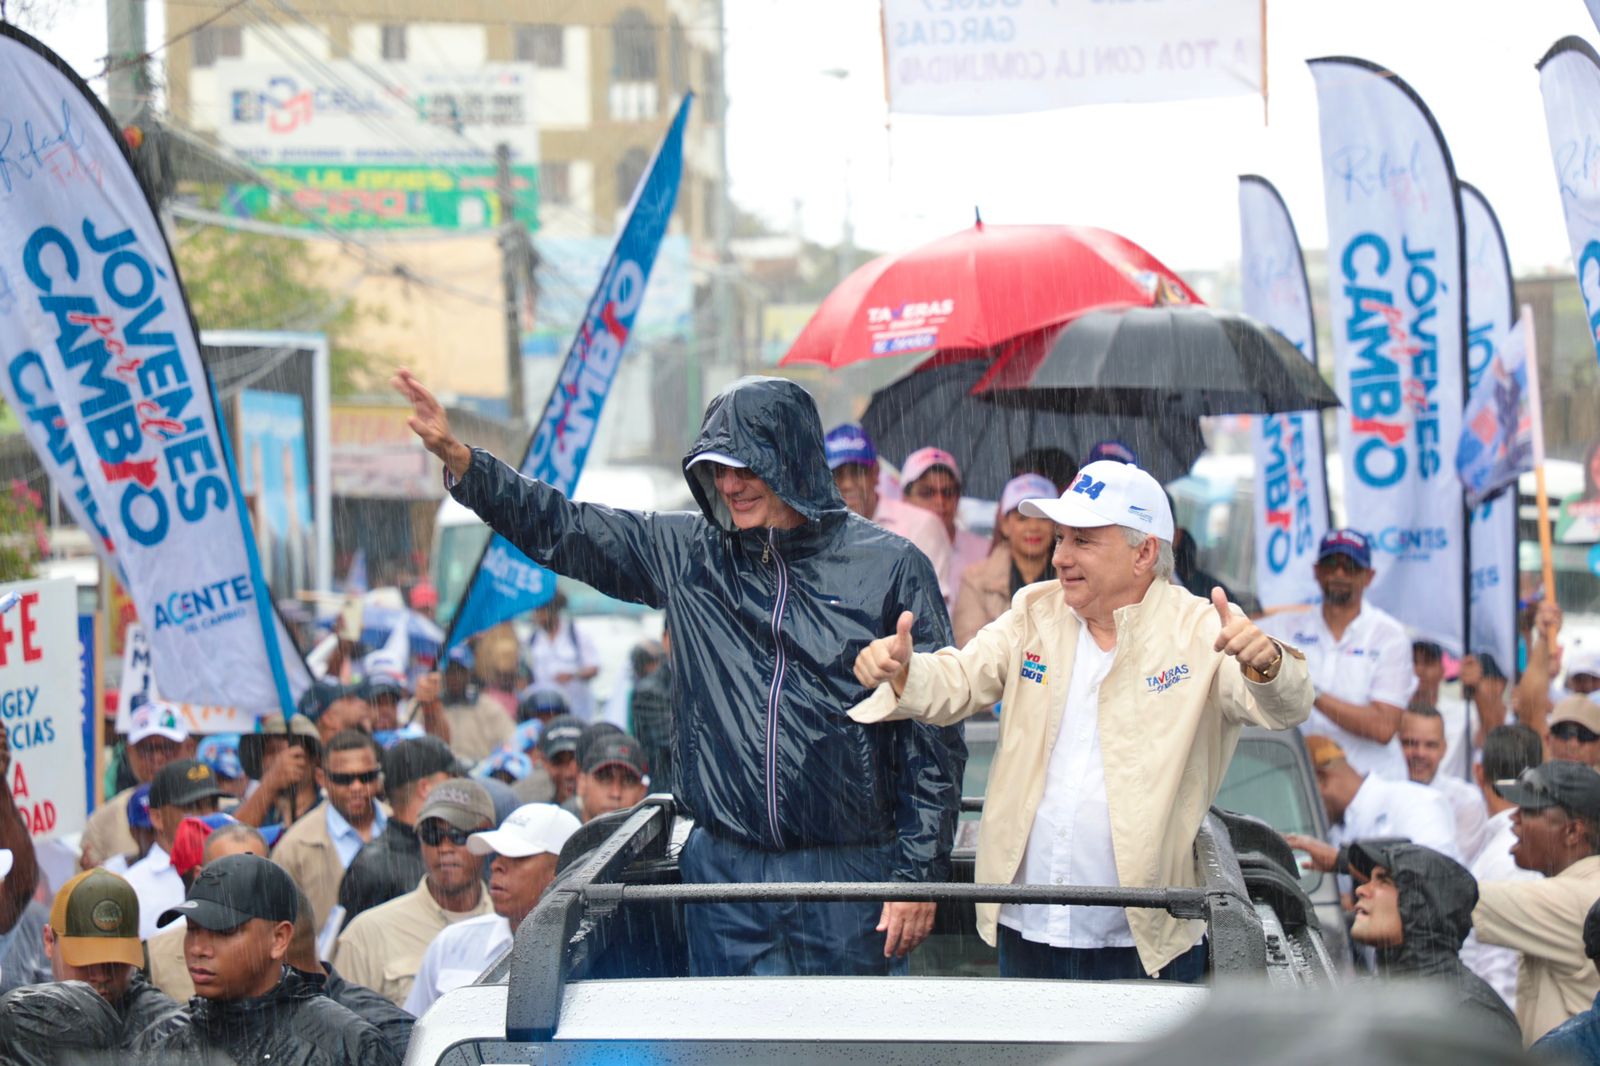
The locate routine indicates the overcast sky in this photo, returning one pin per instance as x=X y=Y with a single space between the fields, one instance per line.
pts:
x=1163 y=174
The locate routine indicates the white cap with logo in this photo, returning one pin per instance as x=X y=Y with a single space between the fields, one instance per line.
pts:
x=1109 y=493
x=531 y=829
x=1582 y=660
x=157 y=718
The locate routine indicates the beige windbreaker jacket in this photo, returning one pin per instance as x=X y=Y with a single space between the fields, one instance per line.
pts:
x=1170 y=713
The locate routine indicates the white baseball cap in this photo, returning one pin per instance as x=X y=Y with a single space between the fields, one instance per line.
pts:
x=923 y=460
x=157 y=718
x=718 y=457
x=1108 y=493
x=532 y=829
x=1583 y=660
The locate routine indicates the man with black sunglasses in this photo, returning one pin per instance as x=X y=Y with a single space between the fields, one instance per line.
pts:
x=317 y=849
x=1557 y=826
x=1360 y=659
x=382 y=948
x=1573 y=731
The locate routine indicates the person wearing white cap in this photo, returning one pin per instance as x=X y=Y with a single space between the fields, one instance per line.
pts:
x=157 y=735
x=1021 y=558
x=931 y=480
x=525 y=849
x=1124 y=695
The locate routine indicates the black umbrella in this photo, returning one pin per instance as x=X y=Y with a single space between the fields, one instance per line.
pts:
x=1162 y=362
x=934 y=406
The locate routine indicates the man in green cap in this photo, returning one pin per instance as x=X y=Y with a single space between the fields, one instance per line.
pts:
x=93 y=936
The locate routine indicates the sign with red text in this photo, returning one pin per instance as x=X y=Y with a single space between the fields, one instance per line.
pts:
x=956 y=57
x=41 y=705
x=98 y=353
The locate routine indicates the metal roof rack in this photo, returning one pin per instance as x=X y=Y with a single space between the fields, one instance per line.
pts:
x=572 y=922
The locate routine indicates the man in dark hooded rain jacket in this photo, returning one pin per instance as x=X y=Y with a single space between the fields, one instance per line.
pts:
x=769 y=593
x=1414 y=906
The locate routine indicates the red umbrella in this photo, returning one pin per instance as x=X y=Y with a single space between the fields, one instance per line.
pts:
x=980 y=288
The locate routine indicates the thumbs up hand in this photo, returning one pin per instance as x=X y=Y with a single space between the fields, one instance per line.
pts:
x=887 y=658
x=1241 y=638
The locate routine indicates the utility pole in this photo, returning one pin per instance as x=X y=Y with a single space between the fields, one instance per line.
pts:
x=128 y=80
x=516 y=278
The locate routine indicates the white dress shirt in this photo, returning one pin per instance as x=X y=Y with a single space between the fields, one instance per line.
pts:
x=1370 y=663
x=1495 y=964
x=158 y=887
x=1399 y=809
x=1070 y=842
x=1472 y=817
x=456 y=957
x=565 y=653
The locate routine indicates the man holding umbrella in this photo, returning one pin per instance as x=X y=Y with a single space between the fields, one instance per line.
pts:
x=1103 y=775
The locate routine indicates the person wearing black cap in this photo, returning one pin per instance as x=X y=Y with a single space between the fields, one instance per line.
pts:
x=558 y=750
x=250 y=1004
x=1414 y=908
x=392 y=865
x=1557 y=826
x=613 y=776
x=1578 y=1038
x=183 y=788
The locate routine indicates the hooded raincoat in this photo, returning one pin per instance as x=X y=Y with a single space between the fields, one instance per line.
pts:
x=1436 y=897
x=59 y=1021
x=766 y=624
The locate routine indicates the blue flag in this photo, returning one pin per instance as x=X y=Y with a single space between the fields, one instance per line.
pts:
x=505 y=583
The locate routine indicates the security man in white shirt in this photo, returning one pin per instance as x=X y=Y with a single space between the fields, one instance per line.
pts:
x=525 y=849
x=1368 y=807
x=1123 y=697
x=1360 y=658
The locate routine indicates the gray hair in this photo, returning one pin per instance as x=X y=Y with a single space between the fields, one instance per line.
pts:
x=1164 y=561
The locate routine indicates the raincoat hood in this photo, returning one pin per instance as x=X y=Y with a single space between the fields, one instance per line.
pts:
x=40 y=1022
x=1437 y=895
x=770 y=425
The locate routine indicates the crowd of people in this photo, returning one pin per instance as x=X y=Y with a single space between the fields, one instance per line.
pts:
x=307 y=891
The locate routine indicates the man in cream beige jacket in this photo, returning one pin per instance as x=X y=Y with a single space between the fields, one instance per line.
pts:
x=1122 y=698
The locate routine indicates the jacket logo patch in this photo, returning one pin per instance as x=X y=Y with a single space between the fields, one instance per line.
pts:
x=1166 y=678
x=1032 y=668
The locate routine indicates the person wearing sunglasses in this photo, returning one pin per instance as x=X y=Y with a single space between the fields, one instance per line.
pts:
x=317 y=849
x=1360 y=658
x=1573 y=731
x=382 y=948
x=1557 y=826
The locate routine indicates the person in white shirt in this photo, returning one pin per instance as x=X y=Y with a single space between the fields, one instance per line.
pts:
x=180 y=789
x=1360 y=658
x=1507 y=751
x=1368 y=807
x=525 y=850
x=856 y=473
x=931 y=480
x=1422 y=741
x=563 y=656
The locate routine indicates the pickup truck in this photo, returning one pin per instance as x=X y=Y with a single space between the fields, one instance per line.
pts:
x=598 y=971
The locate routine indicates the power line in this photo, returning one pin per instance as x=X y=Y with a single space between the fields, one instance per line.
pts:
x=142 y=57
